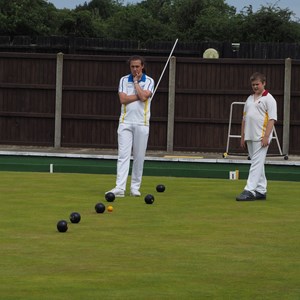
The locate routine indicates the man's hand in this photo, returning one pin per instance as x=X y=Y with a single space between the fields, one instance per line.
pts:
x=137 y=76
x=265 y=141
x=243 y=144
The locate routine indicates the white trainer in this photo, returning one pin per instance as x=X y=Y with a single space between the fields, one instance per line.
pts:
x=135 y=193
x=117 y=192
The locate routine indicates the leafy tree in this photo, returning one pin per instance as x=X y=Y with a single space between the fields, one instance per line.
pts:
x=185 y=15
x=214 y=23
x=26 y=17
x=136 y=23
x=101 y=8
x=161 y=20
x=200 y=20
x=104 y=8
x=78 y=23
x=268 y=24
x=159 y=9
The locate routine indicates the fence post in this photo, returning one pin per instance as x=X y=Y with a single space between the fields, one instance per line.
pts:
x=58 y=99
x=171 y=104
x=286 y=106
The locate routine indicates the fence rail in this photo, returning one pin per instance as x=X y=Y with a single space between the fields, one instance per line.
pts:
x=103 y=46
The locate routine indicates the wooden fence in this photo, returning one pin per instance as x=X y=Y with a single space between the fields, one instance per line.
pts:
x=204 y=90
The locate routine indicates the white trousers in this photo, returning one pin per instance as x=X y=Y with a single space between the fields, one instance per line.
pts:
x=131 y=138
x=257 y=180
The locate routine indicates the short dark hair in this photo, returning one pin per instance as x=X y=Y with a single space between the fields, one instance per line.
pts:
x=258 y=76
x=137 y=57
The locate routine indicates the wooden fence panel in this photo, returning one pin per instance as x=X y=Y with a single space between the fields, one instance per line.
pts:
x=90 y=100
x=27 y=99
x=204 y=92
x=295 y=109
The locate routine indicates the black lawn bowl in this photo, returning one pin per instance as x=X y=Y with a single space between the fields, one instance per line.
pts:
x=62 y=226
x=160 y=188
x=149 y=199
x=75 y=217
x=100 y=208
x=110 y=197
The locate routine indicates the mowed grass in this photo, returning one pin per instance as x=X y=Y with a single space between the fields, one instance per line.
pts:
x=194 y=242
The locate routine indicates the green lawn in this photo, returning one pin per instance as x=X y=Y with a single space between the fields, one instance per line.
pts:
x=194 y=242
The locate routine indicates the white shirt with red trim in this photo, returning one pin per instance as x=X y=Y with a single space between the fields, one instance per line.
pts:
x=257 y=114
x=137 y=112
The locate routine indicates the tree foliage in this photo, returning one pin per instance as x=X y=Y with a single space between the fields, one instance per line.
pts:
x=164 y=20
x=268 y=24
x=26 y=17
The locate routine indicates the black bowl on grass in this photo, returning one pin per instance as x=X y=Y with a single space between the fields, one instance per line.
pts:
x=62 y=226
x=110 y=197
x=75 y=217
x=160 y=188
x=100 y=208
x=149 y=199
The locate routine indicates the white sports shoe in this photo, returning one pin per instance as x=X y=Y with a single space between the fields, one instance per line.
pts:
x=135 y=193
x=117 y=192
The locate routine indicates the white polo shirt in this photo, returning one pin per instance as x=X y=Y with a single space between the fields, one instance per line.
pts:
x=257 y=114
x=137 y=112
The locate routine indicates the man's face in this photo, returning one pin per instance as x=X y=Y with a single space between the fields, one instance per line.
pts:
x=136 y=67
x=257 y=87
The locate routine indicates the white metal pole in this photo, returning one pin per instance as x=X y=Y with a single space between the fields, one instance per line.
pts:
x=162 y=74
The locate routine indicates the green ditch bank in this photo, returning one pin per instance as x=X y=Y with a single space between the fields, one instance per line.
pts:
x=161 y=167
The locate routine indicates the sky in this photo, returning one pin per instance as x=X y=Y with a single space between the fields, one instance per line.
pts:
x=293 y=5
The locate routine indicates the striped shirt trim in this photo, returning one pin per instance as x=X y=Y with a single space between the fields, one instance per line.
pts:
x=265 y=125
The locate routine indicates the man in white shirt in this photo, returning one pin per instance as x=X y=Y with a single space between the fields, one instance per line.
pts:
x=135 y=91
x=260 y=114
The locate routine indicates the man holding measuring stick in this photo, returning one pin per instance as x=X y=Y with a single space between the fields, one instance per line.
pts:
x=136 y=91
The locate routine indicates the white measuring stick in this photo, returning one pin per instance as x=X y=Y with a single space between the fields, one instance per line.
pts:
x=162 y=74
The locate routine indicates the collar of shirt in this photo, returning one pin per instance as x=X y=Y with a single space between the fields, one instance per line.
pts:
x=130 y=78
x=265 y=93
x=257 y=100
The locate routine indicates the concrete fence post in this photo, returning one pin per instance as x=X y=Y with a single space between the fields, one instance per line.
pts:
x=58 y=99
x=286 y=106
x=171 y=105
